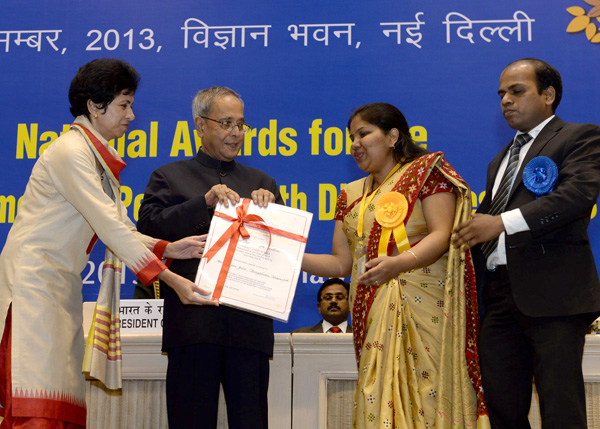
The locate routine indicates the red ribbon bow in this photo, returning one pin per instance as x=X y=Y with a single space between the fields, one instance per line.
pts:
x=233 y=234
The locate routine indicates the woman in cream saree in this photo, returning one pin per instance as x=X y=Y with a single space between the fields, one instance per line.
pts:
x=412 y=295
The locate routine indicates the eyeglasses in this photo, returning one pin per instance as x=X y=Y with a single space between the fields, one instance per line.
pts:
x=228 y=125
x=337 y=296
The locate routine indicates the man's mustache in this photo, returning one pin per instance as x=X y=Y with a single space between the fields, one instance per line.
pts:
x=333 y=306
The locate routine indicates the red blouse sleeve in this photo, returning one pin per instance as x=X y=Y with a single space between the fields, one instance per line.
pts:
x=341 y=206
x=435 y=184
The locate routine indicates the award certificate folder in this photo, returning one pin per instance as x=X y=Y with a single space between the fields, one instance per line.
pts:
x=253 y=256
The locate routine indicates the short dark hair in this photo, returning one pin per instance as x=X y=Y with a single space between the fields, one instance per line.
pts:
x=386 y=117
x=101 y=80
x=332 y=281
x=546 y=76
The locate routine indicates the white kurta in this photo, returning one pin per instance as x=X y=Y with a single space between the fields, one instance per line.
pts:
x=64 y=204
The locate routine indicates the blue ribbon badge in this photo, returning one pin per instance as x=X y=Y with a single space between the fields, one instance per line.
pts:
x=539 y=175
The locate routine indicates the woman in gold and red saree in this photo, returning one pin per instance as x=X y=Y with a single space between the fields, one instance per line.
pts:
x=412 y=295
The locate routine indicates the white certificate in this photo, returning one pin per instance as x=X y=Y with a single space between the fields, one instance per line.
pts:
x=257 y=266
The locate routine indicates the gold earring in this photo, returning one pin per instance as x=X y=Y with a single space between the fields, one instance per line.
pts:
x=95 y=116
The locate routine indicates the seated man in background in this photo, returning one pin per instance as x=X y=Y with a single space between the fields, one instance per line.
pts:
x=332 y=302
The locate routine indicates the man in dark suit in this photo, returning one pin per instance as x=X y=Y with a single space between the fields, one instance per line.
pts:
x=538 y=283
x=223 y=346
x=332 y=302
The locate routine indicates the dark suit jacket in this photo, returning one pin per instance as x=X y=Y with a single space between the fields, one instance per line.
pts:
x=551 y=267
x=173 y=208
x=318 y=328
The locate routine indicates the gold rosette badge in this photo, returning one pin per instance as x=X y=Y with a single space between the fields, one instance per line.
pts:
x=390 y=212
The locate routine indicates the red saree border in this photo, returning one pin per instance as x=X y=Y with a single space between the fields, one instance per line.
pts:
x=43 y=404
x=114 y=164
x=65 y=408
x=472 y=333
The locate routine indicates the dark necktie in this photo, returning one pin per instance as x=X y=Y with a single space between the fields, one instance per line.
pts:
x=501 y=197
x=335 y=329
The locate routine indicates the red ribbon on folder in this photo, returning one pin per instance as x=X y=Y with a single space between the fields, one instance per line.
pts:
x=233 y=234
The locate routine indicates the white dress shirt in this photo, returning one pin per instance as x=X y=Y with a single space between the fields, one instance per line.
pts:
x=513 y=220
x=327 y=326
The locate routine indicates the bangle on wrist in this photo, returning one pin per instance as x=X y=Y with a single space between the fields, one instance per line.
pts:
x=416 y=259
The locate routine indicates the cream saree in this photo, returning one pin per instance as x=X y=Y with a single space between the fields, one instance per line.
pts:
x=415 y=337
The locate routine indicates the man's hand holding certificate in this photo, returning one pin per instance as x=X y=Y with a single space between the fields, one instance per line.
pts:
x=253 y=256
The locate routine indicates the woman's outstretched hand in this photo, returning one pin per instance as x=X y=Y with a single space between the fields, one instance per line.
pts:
x=186 y=290
x=186 y=248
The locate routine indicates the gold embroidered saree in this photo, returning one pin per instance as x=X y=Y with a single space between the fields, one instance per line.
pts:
x=415 y=336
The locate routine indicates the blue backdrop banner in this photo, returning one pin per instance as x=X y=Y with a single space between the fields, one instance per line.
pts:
x=300 y=67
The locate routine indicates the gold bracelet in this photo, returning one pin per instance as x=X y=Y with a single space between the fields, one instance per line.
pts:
x=416 y=259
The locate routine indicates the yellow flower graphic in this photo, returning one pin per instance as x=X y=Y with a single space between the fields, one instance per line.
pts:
x=583 y=20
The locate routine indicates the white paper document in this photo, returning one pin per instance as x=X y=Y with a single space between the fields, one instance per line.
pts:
x=257 y=267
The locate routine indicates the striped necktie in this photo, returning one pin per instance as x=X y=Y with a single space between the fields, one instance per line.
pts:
x=501 y=197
